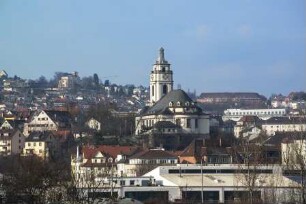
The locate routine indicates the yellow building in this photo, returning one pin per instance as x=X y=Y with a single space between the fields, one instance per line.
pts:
x=41 y=144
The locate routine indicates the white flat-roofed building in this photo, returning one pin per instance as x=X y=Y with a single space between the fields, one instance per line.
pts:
x=220 y=184
x=236 y=114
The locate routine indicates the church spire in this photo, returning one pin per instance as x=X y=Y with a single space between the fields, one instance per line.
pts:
x=161 y=78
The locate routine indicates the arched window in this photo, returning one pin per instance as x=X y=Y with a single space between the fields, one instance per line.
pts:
x=163 y=69
x=165 y=89
x=152 y=90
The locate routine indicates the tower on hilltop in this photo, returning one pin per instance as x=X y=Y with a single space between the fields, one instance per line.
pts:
x=161 y=78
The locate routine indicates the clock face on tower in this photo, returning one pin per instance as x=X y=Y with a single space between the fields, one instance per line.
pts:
x=165 y=76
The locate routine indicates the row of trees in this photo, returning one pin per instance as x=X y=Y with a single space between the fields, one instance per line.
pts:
x=35 y=181
x=89 y=82
x=111 y=124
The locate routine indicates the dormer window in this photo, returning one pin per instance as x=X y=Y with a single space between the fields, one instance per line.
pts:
x=110 y=160
x=178 y=103
x=187 y=103
x=171 y=103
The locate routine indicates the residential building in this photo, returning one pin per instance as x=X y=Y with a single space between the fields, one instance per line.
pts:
x=206 y=152
x=11 y=142
x=96 y=163
x=12 y=124
x=48 y=120
x=284 y=124
x=41 y=144
x=246 y=124
x=94 y=124
x=294 y=150
x=144 y=161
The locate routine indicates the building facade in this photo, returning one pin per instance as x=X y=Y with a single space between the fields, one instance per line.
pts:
x=161 y=78
x=47 y=120
x=178 y=113
x=11 y=142
x=284 y=124
x=236 y=114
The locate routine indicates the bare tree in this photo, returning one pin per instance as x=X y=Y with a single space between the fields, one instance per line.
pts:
x=31 y=180
x=294 y=159
x=249 y=157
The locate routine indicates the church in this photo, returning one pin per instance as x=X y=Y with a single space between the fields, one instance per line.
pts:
x=172 y=118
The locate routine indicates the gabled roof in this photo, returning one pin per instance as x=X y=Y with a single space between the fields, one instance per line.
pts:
x=249 y=119
x=38 y=136
x=61 y=116
x=153 y=154
x=112 y=150
x=15 y=123
x=198 y=148
x=194 y=149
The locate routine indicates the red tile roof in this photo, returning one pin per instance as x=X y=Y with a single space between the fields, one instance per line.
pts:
x=112 y=150
x=153 y=154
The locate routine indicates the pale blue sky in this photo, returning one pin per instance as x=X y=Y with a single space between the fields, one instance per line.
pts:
x=216 y=45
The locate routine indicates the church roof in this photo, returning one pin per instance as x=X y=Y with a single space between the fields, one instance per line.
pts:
x=165 y=124
x=174 y=97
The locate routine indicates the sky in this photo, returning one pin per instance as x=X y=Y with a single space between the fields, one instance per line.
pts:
x=212 y=45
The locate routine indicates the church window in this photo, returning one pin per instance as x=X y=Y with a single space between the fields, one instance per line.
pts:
x=178 y=121
x=165 y=89
x=163 y=69
x=152 y=90
x=188 y=123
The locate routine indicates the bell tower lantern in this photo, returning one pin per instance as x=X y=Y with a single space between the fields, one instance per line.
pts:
x=161 y=78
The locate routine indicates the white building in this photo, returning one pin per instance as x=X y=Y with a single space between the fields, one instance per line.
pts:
x=161 y=78
x=166 y=104
x=94 y=124
x=144 y=161
x=68 y=81
x=219 y=184
x=284 y=124
x=294 y=151
x=47 y=120
x=236 y=114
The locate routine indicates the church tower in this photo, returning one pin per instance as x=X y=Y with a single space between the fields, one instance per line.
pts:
x=161 y=78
